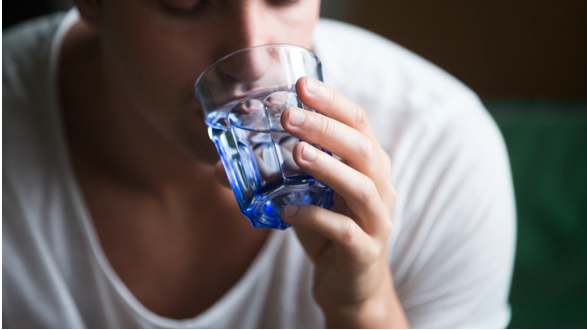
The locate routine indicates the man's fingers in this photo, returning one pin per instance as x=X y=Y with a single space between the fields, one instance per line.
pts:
x=358 y=190
x=324 y=99
x=353 y=146
x=314 y=243
x=348 y=237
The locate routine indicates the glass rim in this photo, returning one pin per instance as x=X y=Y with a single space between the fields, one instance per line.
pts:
x=213 y=65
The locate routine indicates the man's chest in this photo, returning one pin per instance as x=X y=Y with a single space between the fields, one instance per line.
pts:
x=177 y=263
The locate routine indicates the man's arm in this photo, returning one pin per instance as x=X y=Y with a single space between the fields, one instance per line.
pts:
x=453 y=258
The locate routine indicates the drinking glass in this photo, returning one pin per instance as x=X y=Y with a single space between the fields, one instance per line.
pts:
x=243 y=96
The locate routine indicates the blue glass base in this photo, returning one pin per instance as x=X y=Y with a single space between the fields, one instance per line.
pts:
x=264 y=210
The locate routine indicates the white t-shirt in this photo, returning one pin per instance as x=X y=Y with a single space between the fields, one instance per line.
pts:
x=451 y=250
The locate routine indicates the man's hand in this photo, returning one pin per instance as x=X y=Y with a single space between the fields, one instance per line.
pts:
x=353 y=282
x=348 y=244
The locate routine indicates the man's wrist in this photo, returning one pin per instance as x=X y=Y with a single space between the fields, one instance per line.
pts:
x=381 y=311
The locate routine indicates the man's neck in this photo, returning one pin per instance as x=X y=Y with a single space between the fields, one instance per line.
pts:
x=107 y=132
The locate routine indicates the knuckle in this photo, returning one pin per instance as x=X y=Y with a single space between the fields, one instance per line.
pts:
x=360 y=116
x=386 y=228
x=386 y=161
x=393 y=194
x=367 y=149
x=368 y=192
x=331 y=165
x=390 y=199
x=332 y=97
x=326 y=127
x=348 y=231
x=372 y=252
x=320 y=215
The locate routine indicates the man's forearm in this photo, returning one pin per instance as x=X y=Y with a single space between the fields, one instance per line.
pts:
x=381 y=311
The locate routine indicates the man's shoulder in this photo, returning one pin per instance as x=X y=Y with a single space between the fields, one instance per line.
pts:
x=26 y=65
x=27 y=44
x=29 y=122
x=390 y=82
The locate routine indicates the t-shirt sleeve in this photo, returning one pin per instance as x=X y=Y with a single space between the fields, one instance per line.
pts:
x=452 y=256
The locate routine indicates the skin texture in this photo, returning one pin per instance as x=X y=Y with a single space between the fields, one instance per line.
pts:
x=152 y=180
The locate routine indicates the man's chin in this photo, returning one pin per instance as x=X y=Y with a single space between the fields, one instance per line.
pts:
x=202 y=151
x=210 y=157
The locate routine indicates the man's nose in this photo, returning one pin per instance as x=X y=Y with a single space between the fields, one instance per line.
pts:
x=248 y=27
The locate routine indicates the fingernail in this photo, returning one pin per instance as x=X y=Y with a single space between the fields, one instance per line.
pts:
x=309 y=153
x=311 y=85
x=296 y=117
x=290 y=210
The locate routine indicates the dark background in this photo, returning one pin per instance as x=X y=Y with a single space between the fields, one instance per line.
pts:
x=527 y=59
x=500 y=48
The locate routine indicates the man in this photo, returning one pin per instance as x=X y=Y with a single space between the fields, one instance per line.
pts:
x=109 y=223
